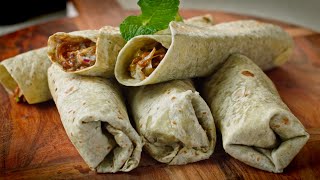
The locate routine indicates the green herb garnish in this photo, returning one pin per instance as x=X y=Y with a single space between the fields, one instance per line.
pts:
x=156 y=15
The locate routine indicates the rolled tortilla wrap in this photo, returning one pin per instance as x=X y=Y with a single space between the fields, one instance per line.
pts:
x=200 y=21
x=194 y=51
x=88 y=52
x=25 y=76
x=94 y=116
x=174 y=121
x=257 y=127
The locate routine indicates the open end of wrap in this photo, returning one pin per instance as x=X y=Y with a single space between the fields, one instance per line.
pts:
x=72 y=53
x=290 y=138
x=140 y=58
x=146 y=60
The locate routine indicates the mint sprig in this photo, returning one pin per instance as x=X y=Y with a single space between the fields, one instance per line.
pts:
x=156 y=15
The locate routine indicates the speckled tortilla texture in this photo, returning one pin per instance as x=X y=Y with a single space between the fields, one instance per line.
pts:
x=257 y=127
x=201 y=21
x=95 y=118
x=29 y=72
x=108 y=44
x=205 y=20
x=197 y=51
x=174 y=121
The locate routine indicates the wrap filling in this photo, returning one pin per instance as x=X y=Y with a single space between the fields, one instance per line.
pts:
x=76 y=54
x=146 y=60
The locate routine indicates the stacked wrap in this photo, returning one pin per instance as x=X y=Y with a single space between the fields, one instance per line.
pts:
x=27 y=71
x=174 y=121
x=195 y=51
x=256 y=126
x=94 y=116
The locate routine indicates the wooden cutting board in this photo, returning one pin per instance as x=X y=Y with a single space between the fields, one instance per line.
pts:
x=33 y=143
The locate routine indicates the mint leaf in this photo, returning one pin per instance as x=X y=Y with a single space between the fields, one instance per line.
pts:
x=156 y=15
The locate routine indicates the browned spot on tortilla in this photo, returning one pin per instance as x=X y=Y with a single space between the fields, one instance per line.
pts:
x=247 y=73
x=173 y=122
x=84 y=103
x=120 y=117
x=246 y=94
x=285 y=121
x=173 y=98
x=206 y=19
x=276 y=126
x=69 y=90
x=204 y=113
x=81 y=169
x=258 y=158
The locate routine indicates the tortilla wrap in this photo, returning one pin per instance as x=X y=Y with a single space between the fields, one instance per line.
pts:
x=174 y=122
x=197 y=51
x=257 y=127
x=95 y=118
x=28 y=72
x=205 y=20
x=108 y=43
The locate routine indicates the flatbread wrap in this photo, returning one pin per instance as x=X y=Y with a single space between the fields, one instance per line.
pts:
x=174 y=122
x=87 y=52
x=257 y=127
x=95 y=119
x=25 y=76
x=205 y=20
x=193 y=51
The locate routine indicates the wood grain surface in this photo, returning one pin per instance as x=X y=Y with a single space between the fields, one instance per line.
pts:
x=34 y=145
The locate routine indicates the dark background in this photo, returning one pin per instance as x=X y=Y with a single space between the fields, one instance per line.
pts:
x=15 y=11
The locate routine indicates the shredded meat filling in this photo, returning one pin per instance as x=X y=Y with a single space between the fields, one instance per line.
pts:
x=18 y=96
x=77 y=55
x=146 y=60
